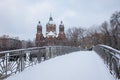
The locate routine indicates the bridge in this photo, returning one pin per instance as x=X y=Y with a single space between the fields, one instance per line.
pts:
x=15 y=61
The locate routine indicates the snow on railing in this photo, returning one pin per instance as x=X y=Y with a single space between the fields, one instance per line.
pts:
x=115 y=51
x=14 y=61
x=111 y=57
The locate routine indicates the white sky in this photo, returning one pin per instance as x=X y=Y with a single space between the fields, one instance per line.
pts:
x=20 y=17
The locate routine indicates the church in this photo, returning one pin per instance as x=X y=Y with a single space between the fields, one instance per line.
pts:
x=51 y=38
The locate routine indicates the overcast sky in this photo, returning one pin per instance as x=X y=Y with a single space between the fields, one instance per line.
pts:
x=20 y=17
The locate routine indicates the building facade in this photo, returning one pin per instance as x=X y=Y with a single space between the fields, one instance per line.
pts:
x=51 y=38
x=9 y=44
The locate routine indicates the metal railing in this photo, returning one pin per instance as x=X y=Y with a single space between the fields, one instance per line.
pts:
x=111 y=58
x=14 y=61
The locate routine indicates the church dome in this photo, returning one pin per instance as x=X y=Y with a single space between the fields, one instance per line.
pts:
x=61 y=23
x=61 y=27
x=51 y=20
x=39 y=25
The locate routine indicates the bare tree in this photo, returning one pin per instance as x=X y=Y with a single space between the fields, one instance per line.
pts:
x=115 y=29
x=71 y=36
x=108 y=34
x=30 y=44
x=106 y=37
x=75 y=35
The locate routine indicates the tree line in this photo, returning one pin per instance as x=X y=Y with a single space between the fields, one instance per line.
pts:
x=107 y=33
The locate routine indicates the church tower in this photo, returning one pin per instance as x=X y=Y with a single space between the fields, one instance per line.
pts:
x=39 y=36
x=50 y=32
x=51 y=38
x=39 y=28
x=50 y=28
x=61 y=35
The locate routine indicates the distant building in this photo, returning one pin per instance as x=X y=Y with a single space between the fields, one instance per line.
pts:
x=7 y=43
x=52 y=38
x=24 y=44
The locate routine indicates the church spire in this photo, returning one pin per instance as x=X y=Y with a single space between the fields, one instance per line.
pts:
x=39 y=27
x=50 y=19
x=61 y=23
x=38 y=22
x=61 y=27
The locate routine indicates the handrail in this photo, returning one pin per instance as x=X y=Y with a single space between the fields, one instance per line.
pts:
x=26 y=49
x=111 y=58
x=14 y=61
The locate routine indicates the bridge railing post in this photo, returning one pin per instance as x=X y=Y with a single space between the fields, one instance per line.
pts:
x=6 y=65
x=22 y=60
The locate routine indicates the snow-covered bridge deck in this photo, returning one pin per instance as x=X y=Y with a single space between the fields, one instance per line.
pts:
x=81 y=65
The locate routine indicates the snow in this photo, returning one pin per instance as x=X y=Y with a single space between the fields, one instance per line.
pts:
x=81 y=65
x=110 y=48
x=51 y=34
x=25 y=49
x=115 y=50
x=39 y=25
x=51 y=22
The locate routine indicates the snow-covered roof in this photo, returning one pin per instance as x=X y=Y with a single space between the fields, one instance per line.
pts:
x=51 y=34
x=51 y=22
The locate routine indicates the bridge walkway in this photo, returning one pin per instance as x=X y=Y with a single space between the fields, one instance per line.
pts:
x=80 y=65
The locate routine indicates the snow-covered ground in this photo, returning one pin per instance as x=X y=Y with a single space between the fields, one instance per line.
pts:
x=81 y=65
